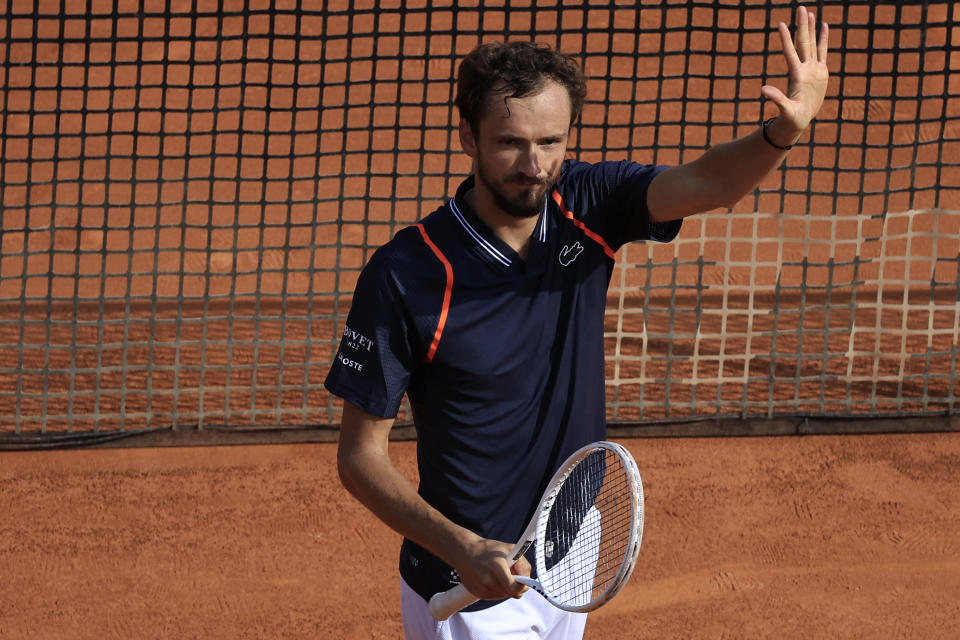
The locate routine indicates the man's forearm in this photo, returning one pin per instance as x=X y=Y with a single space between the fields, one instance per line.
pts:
x=366 y=471
x=720 y=177
x=373 y=479
x=738 y=167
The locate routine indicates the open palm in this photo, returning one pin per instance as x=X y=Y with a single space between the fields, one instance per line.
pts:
x=808 y=74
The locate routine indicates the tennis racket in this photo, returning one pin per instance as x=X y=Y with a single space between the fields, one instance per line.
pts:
x=586 y=533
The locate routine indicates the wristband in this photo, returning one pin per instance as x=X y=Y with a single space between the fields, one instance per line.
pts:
x=771 y=142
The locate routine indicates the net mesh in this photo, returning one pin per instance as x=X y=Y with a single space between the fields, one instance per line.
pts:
x=189 y=191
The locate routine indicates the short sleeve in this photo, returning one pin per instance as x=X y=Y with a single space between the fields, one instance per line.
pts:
x=373 y=364
x=633 y=184
x=611 y=199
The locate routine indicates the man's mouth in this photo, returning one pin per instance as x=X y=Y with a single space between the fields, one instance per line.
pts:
x=527 y=182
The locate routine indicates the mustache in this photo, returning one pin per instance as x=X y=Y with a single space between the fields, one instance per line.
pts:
x=526 y=181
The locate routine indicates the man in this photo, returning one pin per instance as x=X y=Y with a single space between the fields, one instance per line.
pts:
x=488 y=314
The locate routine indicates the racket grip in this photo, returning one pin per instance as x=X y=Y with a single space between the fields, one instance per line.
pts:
x=446 y=603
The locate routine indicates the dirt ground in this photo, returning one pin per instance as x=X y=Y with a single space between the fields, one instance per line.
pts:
x=785 y=537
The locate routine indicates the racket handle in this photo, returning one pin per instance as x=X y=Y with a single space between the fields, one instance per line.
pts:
x=446 y=603
x=530 y=582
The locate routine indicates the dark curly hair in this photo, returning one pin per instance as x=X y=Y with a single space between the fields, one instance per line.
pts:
x=517 y=70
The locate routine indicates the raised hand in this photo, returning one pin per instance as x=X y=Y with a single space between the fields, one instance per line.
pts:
x=807 y=78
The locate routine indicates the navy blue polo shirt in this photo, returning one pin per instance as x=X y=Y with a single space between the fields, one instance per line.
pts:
x=502 y=358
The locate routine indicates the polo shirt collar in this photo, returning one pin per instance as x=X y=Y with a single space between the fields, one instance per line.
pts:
x=485 y=241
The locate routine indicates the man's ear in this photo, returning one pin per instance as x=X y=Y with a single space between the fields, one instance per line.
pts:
x=467 y=141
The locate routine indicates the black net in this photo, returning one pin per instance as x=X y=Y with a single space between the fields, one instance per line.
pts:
x=189 y=191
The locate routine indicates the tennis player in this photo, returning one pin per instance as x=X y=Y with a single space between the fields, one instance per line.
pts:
x=488 y=314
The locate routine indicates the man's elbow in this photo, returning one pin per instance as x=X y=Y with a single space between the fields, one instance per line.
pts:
x=362 y=448
x=347 y=469
x=689 y=207
x=730 y=201
x=720 y=198
x=691 y=201
x=690 y=189
x=719 y=194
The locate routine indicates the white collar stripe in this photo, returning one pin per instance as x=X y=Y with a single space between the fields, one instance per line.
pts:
x=499 y=257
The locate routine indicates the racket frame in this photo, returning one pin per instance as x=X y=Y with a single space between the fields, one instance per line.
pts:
x=636 y=526
x=446 y=603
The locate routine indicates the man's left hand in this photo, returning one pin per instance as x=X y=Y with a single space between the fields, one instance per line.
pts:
x=808 y=74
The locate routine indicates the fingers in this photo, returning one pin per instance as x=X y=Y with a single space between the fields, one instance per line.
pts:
x=808 y=45
x=804 y=45
x=487 y=574
x=513 y=588
x=508 y=584
x=520 y=568
x=812 y=51
x=822 y=45
x=789 y=50
x=775 y=96
x=502 y=583
x=803 y=33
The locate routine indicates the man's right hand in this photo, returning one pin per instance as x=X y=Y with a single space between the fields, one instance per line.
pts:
x=485 y=571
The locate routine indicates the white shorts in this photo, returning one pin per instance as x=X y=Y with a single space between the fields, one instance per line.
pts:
x=528 y=618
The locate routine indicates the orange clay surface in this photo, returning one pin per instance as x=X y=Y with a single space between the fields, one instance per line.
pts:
x=789 y=537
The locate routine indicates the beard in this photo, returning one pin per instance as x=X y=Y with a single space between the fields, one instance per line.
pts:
x=525 y=203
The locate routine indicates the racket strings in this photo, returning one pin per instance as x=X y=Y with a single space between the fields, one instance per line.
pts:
x=589 y=532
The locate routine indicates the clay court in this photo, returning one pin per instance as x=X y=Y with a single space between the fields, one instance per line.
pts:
x=787 y=537
x=188 y=197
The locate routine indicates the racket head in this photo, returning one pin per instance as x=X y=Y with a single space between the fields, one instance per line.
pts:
x=589 y=528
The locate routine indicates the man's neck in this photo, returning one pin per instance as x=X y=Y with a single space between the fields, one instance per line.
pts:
x=516 y=232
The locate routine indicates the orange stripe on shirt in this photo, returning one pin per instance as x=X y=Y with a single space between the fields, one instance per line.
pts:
x=596 y=237
x=447 y=291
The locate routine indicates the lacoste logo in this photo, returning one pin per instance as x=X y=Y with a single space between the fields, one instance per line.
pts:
x=568 y=254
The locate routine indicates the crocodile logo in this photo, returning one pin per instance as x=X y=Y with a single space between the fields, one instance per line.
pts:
x=568 y=254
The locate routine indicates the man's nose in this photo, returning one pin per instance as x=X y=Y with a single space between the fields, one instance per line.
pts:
x=530 y=163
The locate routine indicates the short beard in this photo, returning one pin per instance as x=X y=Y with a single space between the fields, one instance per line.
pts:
x=519 y=207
